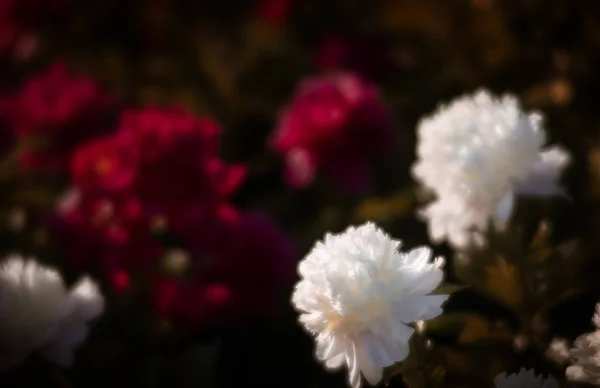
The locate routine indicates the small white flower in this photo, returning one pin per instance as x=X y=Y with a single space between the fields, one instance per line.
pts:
x=524 y=379
x=586 y=355
x=558 y=351
x=475 y=154
x=358 y=292
x=37 y=313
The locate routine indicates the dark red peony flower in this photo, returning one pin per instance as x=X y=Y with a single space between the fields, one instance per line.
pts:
x=257 y=262
x=57 y=111
x=179 y=158
x=242 y=262
x=190 y=303
x=112 y=234
x=161 y=164
x=106 y=165
x=335 y=124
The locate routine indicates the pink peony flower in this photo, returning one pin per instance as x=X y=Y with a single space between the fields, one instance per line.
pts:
x=335 y=124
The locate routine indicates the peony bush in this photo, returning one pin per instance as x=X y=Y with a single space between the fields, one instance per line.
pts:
x=303 y=194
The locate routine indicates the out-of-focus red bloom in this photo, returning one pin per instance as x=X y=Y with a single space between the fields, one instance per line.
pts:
x=167 y=157
x=190 y=303
x=111 y=233
x=179 y=158
x=204 y=226
x=274 y=11
x=119 y=280
x=106 y=165
x=240 y=272
x=160 y=163
x=335 y=124
x=257 y=263
x=364 y=57
x=60 y=110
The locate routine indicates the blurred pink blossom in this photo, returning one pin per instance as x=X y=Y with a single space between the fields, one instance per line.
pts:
x=335 y=124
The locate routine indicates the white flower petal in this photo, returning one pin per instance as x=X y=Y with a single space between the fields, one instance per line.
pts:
x=86 y=299
x=504 y=209
x=414 y=308
x=372 y=374
x=336 y=361
x=38 y=314
x=584 y=355
x=380 y=352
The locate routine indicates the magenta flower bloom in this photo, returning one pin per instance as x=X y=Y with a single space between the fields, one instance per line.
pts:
x=59 y=109
x=179 y=159
x=335 y=124
x=106 y=165
x=160 y=166
x=106 y=233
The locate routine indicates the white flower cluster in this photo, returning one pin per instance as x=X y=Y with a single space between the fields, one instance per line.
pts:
x=524 y=379
x=586 y=355
x=474 y=155
x=358 y=292
x=38 y=314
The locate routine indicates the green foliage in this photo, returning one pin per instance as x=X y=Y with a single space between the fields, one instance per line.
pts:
x=433 y=365
x=529 y=271
x=527 y=276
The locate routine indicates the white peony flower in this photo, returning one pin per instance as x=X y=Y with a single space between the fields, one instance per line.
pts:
x=586 y=355
x=358 y=292
x=475 y=154
x=524 y=379
x=37 y=313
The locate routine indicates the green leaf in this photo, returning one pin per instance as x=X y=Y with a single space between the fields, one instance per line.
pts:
x=468 y=328
x=449 y=289
x=496 y=276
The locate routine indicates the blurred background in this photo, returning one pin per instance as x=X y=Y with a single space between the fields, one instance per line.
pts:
x=188 y=153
